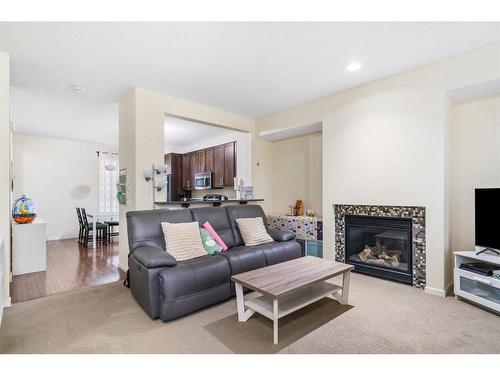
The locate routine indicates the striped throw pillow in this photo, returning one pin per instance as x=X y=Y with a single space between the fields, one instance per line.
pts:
x=182 y=240
x=253 y=231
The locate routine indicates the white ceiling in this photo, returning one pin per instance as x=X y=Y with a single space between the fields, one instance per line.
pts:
x=180 y=133
x=247 y=68
x=68 y=115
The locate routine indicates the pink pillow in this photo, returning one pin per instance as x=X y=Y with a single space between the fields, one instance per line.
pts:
x=214 y=234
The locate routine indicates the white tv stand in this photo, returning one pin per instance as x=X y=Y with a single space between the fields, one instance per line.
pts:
x=483 y=290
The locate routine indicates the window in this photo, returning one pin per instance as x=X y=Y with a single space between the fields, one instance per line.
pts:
x=108 y=177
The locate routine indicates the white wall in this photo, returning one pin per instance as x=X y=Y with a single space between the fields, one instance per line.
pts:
x=297 y=165
x=475 y=162
x=59 y=175
x=4 y=180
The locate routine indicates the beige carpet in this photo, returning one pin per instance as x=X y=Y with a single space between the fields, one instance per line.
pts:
x=383 y=317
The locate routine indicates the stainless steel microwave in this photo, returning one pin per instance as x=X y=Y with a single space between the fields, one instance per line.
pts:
x=203 y=181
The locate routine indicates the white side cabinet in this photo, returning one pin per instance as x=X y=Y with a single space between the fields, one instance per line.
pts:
x=483 y=290
x=29 y=249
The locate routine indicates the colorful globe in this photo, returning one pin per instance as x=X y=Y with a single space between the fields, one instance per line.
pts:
x=23 y=210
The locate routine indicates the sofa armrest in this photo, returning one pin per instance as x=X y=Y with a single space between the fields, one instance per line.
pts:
x=152 y=257
x=281 y=235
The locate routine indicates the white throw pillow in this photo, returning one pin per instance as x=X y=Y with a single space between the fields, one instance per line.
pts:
x=253 y=231
x=182 y=240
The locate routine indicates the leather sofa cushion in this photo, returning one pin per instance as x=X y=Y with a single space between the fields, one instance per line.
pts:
x=243 y=259
x=243 y=211
x=281 y=235
x=277 y=252
x=183 y=241
x=172 y=309
x=194 y=276
x=218 y=219
x=253 y=231
x=144 y=227
x=152 y=257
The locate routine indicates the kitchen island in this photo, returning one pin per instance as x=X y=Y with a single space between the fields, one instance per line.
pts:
x=215 y=203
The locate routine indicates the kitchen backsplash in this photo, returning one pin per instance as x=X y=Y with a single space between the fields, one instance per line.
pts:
x=228 y=192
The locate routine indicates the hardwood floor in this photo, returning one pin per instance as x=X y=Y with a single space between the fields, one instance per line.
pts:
x=69 y=266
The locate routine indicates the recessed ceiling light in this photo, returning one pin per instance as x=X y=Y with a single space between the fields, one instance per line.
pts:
x=78 y=88
x=353 y=66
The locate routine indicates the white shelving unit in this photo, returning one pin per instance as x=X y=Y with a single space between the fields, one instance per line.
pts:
x=483 y=290
x=29 y=249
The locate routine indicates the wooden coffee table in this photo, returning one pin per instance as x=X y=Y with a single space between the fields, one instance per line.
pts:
x=287 y=287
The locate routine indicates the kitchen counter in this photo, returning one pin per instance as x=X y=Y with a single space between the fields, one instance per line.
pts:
x=213 y=203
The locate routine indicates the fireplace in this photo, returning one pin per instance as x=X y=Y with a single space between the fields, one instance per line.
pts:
x=379 y=246
x=383 y=241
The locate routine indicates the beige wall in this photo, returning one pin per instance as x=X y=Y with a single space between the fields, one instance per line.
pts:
x=388 y=126
x=126 y=142
x=297 y=165
x=388 y=149
x=4 y=179
x=262 y=171
x=58 y=175
x=448 y=252
x=475 y=162
x=142 y=120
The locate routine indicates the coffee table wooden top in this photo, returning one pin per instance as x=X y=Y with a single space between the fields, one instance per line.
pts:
x=283 y=278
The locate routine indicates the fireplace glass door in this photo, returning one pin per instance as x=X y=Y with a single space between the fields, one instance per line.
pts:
x=379 y=246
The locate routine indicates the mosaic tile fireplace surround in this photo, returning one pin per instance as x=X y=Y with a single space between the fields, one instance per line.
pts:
x=380 y=256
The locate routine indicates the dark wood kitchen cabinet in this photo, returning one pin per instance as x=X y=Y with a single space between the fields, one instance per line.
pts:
x=174 y=164
x=219 y=160
x=194 y=169
x=187 y=175
x=229 y=164
x=224 y=165
x=209 y=160
x=200 y=161
x=218 y=176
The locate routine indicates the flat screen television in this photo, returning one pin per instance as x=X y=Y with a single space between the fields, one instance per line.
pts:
x=487 y=209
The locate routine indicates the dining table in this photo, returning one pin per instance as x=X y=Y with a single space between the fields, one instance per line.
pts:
x=95 y=218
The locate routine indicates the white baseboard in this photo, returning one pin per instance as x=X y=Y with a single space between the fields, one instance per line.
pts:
x=123 y=268
x=3 y=306
x=67 y=237
x=438 y=292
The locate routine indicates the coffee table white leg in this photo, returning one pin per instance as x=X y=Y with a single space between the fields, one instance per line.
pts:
x=240 y=302
x=275 y=321
x=345 y=288
x=243 y=315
